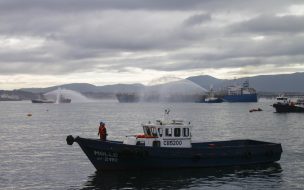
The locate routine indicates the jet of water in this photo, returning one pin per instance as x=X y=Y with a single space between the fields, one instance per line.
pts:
x=173 y=89
x=66 y=93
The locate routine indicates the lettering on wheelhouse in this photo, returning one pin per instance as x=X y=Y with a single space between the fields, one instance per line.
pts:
x=173 y=142
x=106 y=156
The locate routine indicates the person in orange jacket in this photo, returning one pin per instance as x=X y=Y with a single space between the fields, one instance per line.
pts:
x=102 y=131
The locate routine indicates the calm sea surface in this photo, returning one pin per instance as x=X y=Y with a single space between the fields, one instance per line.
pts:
x=34 y=153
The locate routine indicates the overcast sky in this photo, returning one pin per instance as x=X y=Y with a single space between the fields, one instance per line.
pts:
x=51 y=42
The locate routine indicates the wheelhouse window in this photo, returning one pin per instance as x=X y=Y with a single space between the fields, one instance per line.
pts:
x=153 y=131
x=160 y=132
x=177 y=132
x=168 y=132
x=186 y=132
x=150 y=131
x=147 y=130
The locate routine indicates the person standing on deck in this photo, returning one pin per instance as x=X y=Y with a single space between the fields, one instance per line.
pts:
x=102 y=131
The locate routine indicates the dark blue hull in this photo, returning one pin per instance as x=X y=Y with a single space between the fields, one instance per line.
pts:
x=113 y=155
x=241 y=98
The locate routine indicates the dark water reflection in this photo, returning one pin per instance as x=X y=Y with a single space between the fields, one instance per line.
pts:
x=221 y=178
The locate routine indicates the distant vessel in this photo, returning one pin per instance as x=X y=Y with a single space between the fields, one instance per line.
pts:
x=211 y=98
x=241 y=93
x=59 y=99
x=284 y=105
x=167 y=144
x=126 y=98
x=42 y=101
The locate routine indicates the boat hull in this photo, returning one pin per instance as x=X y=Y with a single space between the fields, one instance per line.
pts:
x=43 y=101
x=217 y=100
x=113 y=155
x=241 y=98
x=285 y=108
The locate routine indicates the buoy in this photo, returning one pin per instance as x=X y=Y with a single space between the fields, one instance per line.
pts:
x=29 y=114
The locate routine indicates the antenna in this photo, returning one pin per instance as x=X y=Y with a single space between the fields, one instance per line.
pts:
x=167 y=111
x=166 y=115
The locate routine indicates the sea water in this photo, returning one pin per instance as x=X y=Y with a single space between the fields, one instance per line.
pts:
x=34 y=153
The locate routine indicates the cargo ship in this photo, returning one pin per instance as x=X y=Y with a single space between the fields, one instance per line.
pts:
x=242 y=93
x=167 y=143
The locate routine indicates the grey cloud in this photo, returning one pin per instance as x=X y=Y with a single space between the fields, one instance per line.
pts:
x=232 y=55
x=265 y=24
x=83 y=36
x=80 y=5
x=197 y=19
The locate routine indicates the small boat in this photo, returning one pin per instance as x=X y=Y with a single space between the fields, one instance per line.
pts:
x=42 y=100
x=285 y=105
x=167 y=144
x=211 y=98
x=254 y=110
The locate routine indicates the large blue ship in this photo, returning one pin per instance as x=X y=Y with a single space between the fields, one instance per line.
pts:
x=242 y=93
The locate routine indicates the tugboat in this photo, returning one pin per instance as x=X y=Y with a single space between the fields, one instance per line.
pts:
x=241 y=93
x=43 y=101
x=60 y=98
x=167 y=144
x=285 y=105
x=211 y=99
x=127 y=98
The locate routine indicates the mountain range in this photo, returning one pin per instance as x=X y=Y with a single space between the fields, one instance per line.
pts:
x=262 y=83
